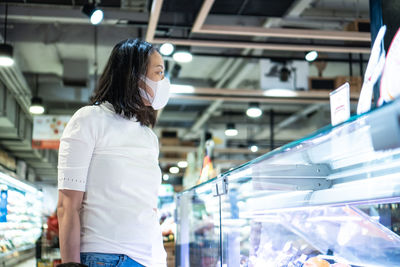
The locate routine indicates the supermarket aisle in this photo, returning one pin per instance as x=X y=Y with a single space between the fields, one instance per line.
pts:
x=28 y=263
x=47 y=259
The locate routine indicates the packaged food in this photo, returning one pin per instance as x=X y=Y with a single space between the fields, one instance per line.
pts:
x=316 y=262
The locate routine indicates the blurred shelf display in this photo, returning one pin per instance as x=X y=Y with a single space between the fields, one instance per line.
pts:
x=330 y=199
x=20 y=217
x=166 y=211
x=166 y=208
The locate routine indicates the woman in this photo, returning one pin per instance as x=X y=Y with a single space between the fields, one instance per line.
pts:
x=108 y=172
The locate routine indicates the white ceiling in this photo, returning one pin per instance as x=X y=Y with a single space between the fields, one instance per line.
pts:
x=44 y=35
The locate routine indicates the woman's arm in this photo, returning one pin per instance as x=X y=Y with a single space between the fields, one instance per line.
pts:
x=68 y=208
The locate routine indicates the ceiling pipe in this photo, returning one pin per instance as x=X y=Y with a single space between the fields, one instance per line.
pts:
x=295 y=9
x=290 y=120
x=217 y=103
x=274 y=58
x=15 y=83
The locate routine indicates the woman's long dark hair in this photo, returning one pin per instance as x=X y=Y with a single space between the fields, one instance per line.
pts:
x=119 y=83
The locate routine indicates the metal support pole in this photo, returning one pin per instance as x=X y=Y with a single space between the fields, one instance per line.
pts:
x=96 y=66
x=350 y=65
x=375 y=12
x=271 y=129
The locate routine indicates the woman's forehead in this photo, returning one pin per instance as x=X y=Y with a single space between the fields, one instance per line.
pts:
x=156 y=60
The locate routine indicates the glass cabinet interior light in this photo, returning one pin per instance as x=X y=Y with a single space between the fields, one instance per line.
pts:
x=167 y=49
x=254 y=110
x=94 y=13
x=182 y=56
x=311 y=56
x=6 y=55
x=231 y=130
x=36 y=107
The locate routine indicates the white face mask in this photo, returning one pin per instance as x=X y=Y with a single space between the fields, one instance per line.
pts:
x=160 y=92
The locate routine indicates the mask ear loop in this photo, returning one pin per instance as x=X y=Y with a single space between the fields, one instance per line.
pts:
x=144 y=93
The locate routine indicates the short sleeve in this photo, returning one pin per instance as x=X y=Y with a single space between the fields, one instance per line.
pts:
x=76 y=149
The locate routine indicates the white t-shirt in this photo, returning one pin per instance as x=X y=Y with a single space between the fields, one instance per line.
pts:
x=115 y=162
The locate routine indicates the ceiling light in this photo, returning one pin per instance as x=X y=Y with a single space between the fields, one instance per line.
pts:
x=231 y=130
x=311 y=56
x=182 y=56
x=6 y=55
x=167 y=49
x=254 y=110
x=95 y=14
x=36 y=106
x=182 y=164
x=280 y=93
x=6 y=51
x=96 y=17
x=174 y=170
x=254 y=148
x=165 y=177
x=181 y=89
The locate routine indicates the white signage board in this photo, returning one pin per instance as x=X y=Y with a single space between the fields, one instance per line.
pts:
x=340 y=104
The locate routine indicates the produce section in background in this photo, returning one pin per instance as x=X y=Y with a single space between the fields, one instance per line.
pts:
x=20 y=218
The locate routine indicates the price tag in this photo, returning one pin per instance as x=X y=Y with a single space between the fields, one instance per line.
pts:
x=340 y=104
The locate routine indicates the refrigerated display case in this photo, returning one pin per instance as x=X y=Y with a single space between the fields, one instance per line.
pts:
x=330 y=199
x=20 y=219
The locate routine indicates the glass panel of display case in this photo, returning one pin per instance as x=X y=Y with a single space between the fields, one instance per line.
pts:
x=326 y=180
x=344 y=235
x=365 y=146
x=198 y=231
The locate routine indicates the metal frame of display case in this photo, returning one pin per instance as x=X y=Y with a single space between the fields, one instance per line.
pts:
x=344 y=167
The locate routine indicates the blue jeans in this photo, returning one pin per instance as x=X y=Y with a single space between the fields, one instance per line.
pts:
x=93 y=259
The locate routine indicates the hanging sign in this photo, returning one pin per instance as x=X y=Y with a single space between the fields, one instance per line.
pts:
x=47 y=131
x=390 y=81
x=372 y=73
x=340 y=104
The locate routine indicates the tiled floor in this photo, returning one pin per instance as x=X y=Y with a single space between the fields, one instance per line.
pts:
x=32 y=261
x=29 y=263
